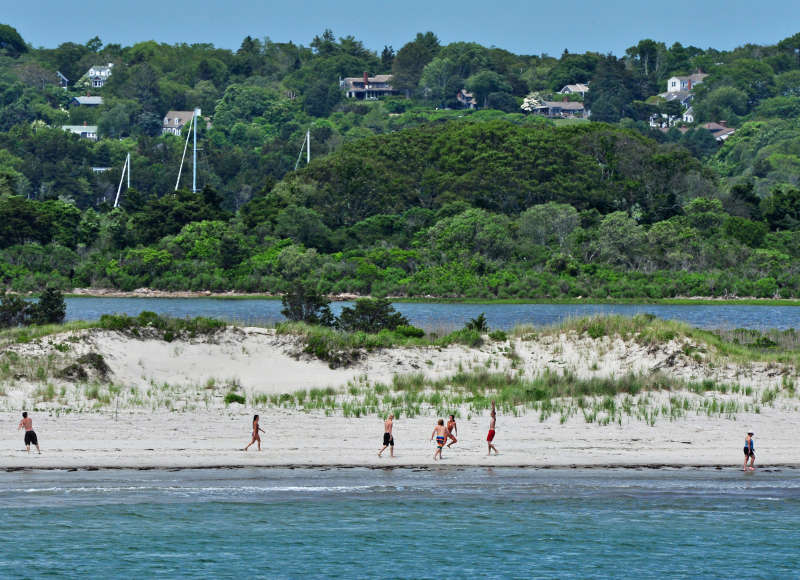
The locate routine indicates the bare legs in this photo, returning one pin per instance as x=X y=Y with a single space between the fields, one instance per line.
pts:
x=491 y=446
x=391 y=450
x=258 y=439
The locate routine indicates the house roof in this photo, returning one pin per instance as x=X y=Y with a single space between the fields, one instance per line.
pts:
x=184 y=116
x=88 y=100
x=577 y=88
x=720 y=132
x=80 y=128
x=565 y=105
x=681 y=96
x=375 y=79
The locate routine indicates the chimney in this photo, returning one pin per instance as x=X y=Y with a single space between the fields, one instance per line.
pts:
x=565 y=99
x=85 y=123
x=366 y=79
x=724 y=124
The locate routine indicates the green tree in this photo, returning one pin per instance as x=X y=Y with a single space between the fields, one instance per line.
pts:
x=483 y=83
x=370 y=315
x=410 y=61
x=303 y=303
x=11 y=42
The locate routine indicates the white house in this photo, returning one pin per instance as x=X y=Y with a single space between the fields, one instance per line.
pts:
x=578 y=89
x=174 y=122
x=83 y=131
x=677 y=84
x=688 y=115
x=98 y=75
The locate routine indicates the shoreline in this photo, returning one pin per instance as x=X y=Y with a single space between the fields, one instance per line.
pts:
x=411 y=466
x=429 y=299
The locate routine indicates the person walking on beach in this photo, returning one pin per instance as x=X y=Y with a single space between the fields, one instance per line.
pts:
x=256 y=434
x=749 y=452
x=388 y=438
x=492 y=425
x=452 y=429
x=30 y=434
x=441 y=433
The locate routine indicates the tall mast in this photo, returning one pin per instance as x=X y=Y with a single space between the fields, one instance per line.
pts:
x=308 y=146
x=194 y=159
x=126 y=166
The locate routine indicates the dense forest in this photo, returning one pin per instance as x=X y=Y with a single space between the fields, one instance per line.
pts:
x=409 y=194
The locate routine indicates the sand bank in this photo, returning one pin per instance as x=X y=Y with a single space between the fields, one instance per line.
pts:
x=167 y=406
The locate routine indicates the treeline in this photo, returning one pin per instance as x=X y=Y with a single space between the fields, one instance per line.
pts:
x=609 y=213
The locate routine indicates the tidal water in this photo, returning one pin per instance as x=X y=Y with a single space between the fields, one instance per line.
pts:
x=434 y=316
x=401 y=523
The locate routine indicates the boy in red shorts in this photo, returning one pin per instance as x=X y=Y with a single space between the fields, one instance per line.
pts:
x=490 y=436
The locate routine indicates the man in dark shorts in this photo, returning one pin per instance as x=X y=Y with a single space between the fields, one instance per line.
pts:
x=388 y=438
x=30 y=434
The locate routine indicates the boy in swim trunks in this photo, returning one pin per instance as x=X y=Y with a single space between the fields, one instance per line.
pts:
x=441 y=433
x=30 y=434
x=492 y=425
x=388 y=438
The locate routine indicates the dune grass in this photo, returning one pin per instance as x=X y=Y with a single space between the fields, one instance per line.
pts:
x=736 y=345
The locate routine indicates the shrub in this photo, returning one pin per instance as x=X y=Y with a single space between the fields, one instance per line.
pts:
x=498 y=335
x=234 y=398
x=409 y=331
x=480 y=323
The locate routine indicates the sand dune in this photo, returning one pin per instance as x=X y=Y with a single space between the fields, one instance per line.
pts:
x=201 y=430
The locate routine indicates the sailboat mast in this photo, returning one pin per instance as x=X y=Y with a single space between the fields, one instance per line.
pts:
x=194 y=158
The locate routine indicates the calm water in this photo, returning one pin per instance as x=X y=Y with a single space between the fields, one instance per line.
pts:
x=447 y=316
x=401 y=523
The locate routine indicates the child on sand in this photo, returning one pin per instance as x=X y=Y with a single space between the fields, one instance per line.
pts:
x=256 y=435
x=492 y=425
x=441 y=433
x=452 y=429
x=749 y=452
x=388 y=438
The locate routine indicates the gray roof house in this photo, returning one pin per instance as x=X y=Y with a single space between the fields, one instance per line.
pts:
x=561 y=109
x=367 y=87
x=579 y=89
x=174 y=121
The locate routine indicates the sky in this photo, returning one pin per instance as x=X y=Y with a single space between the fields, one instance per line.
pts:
x=523 y=27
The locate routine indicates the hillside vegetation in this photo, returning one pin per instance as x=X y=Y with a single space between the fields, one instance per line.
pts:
x=407 y=195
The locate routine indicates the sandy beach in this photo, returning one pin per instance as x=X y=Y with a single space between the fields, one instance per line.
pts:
x=169 y=412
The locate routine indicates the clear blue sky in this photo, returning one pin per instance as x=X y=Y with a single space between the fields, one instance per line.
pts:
x=527 y=27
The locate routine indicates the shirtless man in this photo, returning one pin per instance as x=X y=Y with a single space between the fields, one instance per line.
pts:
x=388 y=438
x=30 y=434
x=441 y=433
x=490 y=436
x=452 y=429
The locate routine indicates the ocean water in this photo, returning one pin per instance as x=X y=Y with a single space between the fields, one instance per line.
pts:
x=401 y=523
x=430 y=315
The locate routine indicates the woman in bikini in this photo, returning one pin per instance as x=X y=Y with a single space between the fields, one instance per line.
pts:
x=452 y=429
x=749 y=452
x=256 y=435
